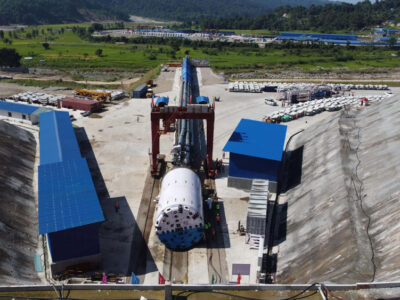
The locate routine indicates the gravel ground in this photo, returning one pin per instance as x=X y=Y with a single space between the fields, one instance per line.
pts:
x=9 y=89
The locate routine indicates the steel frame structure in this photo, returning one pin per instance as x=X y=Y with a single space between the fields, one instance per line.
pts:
x=169 y=115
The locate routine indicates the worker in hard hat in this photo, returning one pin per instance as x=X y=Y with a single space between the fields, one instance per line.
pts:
x=116 y=206
x=218 y=219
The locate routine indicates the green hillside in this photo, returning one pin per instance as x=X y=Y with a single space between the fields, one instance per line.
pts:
x=72 y=11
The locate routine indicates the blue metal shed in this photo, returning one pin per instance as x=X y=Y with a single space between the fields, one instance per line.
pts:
x=69 y=209
x=18 y=107
x=256 y=150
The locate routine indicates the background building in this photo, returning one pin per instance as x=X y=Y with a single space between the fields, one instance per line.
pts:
x=17 y=110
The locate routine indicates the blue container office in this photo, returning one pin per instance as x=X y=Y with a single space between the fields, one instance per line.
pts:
x=256 y=150
x=140 y=91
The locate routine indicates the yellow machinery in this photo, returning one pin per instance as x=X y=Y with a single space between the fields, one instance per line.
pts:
x=149 y=93
x=99 y=96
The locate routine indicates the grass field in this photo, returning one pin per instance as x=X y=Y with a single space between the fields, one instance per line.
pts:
x=69 y=52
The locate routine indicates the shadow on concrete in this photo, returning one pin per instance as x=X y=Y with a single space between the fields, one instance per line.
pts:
x=292 y=169
x=221 y=238
x=141 y=260
x=280 y=223
x=119 y=234
x=269 y=264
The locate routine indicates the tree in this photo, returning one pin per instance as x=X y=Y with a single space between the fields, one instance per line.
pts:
x=46 y=46
x=9 y=58
x=1 y=34
x=152 y=56
x=99 y=52
x=95 y=27
x=392 y=41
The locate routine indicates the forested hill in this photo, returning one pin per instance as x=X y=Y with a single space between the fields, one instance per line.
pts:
x=30 y=12
x=66 y=11
x=324 y=18
x=186 y=10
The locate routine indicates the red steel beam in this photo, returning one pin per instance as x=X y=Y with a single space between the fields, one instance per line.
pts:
x=169 y=115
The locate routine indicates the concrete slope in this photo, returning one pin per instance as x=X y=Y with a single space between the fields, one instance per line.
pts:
x=18 y=214
x=320 y=242
x=342 y=220
x=380 y=184
x=341 y=224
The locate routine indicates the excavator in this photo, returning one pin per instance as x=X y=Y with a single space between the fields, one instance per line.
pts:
x=99 y=96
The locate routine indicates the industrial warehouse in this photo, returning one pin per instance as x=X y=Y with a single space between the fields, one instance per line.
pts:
x=202 y=185
x=380 y=37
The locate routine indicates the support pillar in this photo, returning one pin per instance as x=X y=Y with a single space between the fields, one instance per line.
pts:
x=155 y=137
x=210 y=144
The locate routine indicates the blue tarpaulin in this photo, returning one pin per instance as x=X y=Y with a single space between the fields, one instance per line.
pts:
x=135 y=279
x=162 y=101
x=202 y=100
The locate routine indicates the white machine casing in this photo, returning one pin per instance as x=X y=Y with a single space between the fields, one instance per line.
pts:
x=180 y=204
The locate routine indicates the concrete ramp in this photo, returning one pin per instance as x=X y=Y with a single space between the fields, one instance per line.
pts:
x=342 y=219
x=18 y=213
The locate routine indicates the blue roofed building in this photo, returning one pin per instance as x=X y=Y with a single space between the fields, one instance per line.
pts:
x=17 y=110
x=384 y=32
x=256 y=150
x=69 y=209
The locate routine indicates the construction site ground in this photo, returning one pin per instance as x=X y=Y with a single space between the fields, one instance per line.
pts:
x=117 y=146
x=121 y=142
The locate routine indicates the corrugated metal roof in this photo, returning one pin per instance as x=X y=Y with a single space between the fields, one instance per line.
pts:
x=258 y=139
x=67 y=196
x=42 y=110
x=17 y=107
x=57 y=138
